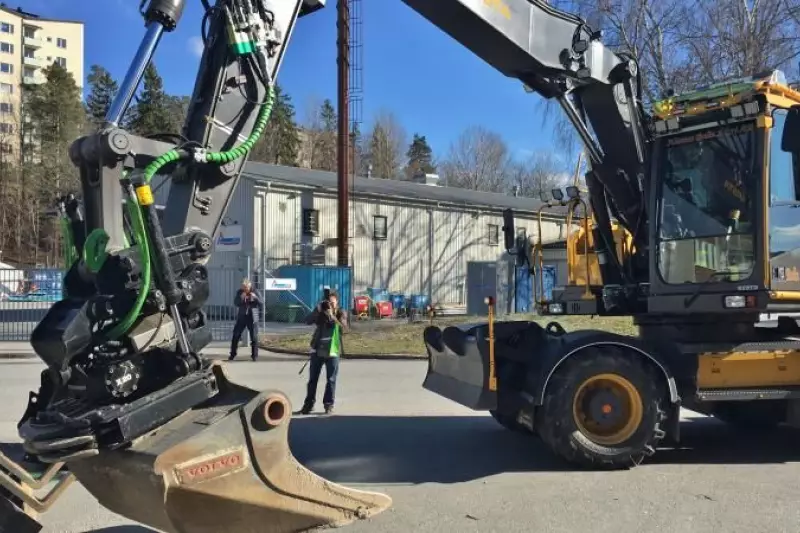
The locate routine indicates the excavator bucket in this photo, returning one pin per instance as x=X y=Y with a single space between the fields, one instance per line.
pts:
x=458 y=365
x=222 y=466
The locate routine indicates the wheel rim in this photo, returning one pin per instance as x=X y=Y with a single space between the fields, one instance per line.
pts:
x=607 y=409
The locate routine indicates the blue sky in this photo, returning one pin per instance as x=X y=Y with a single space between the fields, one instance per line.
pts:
x=433 y=85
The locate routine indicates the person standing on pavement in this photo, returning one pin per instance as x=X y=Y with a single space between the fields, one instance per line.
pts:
x=246 y=300
x=326 y=346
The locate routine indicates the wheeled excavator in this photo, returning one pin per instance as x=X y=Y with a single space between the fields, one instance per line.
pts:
x=694 y=235
x=158 y=433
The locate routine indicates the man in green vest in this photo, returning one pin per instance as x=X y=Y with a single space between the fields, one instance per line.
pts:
x=326 y=346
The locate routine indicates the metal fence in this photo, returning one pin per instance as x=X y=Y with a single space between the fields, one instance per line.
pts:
x=25 y=296
x=27 y=293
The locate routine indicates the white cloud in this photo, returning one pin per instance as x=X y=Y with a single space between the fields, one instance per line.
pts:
x=196 y=46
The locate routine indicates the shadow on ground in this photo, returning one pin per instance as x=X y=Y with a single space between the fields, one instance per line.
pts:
x=709 y=441
x=122 y=529
x=384 y=450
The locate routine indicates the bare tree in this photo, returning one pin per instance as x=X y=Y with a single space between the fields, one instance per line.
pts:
x=479 y=160
x=540 y=172
x=732 y=38
x=384 y=146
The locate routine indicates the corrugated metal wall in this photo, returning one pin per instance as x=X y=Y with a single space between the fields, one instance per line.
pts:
x=426 y=252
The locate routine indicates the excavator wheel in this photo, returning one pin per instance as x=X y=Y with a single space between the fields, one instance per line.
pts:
x=604 y=409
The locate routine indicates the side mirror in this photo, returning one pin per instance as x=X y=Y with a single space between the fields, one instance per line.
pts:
x=509 y=235
x=790 y=142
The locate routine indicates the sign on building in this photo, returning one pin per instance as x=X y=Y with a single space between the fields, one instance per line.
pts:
x=280 y=284
x=229 y=238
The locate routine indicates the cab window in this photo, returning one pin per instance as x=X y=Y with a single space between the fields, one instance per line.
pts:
x=783 y=182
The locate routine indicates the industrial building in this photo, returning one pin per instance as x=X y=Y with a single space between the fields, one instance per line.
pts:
x=406 y=237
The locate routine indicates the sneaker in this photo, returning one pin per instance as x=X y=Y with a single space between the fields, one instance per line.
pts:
x=230 y=357
x=305 y=411
x=328 y=409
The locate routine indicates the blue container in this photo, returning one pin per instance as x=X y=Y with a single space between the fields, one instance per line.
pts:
x=398 y=301
x=311 y=282
x=523 y=290
x=378 y=295
x=419 y=301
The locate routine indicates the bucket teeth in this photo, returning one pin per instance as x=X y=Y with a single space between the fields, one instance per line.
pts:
x=225 y=466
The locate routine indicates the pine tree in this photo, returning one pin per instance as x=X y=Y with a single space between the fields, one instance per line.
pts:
x=420 y=157
x=152 y=114
x=103 y=89
x=56 y=118
x=280 y=144
x=325 y=150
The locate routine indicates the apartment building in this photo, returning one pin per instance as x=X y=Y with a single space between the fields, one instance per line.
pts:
x=29 y=44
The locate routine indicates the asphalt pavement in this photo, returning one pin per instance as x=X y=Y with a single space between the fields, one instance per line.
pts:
x=449 y=469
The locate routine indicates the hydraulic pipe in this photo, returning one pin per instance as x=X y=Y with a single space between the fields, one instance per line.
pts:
x=122 y=100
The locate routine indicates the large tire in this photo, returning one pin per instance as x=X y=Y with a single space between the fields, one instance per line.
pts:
x=586 y=424
x=757 y=415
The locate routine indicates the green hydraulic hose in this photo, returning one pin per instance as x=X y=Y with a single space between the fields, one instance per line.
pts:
x=70 y=255
x=144 y=254
x=221 y=157
x=150 y=171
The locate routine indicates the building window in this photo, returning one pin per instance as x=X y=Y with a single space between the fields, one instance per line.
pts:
x=6 y=68
x=6 y=128
x=380 y=228
x=7 y=48
x=62 y=61
x=49 y=39
x=6 y=108
x=6 y=148
x=310 y=221
x=6 y=88
x=61 y=43
x=5 y=27
x=494 y=234
x=29 y=32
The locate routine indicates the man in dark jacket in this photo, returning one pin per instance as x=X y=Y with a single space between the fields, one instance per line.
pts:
x=245 y=301
x=326 y=345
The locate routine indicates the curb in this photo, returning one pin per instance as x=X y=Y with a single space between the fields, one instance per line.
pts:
x=363 y=357
x=18 y=356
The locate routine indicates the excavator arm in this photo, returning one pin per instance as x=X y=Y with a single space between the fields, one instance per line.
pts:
x=147 y=424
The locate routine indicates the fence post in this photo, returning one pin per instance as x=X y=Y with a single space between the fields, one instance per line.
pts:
x=263 y=279
x=246 y=334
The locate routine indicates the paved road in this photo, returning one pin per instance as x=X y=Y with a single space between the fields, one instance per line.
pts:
x=451 y=470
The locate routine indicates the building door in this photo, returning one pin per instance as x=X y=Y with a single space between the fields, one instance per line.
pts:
x=548 y=281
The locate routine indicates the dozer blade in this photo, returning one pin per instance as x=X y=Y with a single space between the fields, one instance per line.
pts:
x=223 y=466
x=458 y=365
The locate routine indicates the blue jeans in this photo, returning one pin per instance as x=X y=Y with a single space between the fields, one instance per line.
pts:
x=331 y=371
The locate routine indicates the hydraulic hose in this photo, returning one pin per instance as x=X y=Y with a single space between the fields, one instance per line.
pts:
x=220 y=157
x=142 y=240
x=137 y=222
x=69 y=243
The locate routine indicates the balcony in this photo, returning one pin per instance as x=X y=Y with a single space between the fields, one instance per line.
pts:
x=34 y=62
x=30 y=80
x=33 y=42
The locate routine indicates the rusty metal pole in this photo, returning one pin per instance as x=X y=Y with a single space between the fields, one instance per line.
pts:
x=342 y=152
